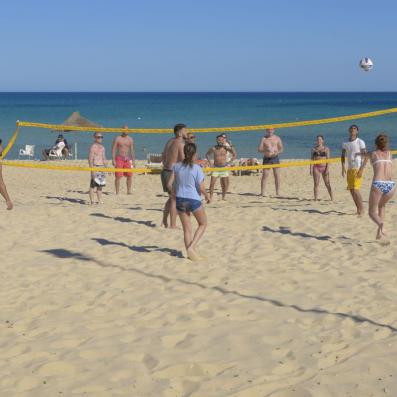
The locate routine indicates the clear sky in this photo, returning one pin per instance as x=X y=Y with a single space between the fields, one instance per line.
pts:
x=197 y=45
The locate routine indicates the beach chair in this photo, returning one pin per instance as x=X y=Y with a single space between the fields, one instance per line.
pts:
x=248 y=162
x=28 y=151
x=56 y=153
x=154 y=162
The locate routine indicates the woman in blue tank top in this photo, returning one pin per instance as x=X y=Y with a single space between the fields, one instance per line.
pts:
x=187 y=184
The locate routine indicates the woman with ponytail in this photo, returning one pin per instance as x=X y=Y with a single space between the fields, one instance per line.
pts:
x=187 y=185
x=383 y=186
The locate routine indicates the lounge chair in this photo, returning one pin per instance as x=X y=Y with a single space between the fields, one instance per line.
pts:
x=154 y=162
x=248 y=162
x=28 y=151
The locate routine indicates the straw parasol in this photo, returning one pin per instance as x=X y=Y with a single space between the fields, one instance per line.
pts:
x=77 y=120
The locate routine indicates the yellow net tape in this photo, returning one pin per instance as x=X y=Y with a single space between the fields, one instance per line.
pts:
x=47 y=166
x=10 y=144
x=166 y=130
x=209 y=129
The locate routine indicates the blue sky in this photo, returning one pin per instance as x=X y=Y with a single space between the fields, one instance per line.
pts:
x=218 y=45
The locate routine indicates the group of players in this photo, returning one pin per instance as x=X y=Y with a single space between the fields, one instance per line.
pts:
x=354 y=154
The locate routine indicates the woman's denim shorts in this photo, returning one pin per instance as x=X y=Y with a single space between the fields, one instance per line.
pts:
x=187 y=204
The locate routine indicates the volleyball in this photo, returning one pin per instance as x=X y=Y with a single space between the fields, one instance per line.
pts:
x=366 y=64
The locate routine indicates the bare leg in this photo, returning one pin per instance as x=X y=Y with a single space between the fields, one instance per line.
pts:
x=328 y=185
x=201 y=219
x=99 y=195
x=316 y=181
x=224 y=186
x=358 y=201
x=117 y=184
x=265 y=175
x=4 y=193
x=173 y=212
x=373 y=210
x=212 y=186
x=91 y=194
x=187 y=234
x=129 y=184
x=166 y=212
x=382 y=207
x=277 y=180
x=187 y=228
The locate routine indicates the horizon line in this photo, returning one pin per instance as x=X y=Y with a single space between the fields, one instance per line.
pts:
x=196 y=92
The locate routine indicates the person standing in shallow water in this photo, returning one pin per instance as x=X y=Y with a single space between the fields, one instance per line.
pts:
x=383 y=186
x=172 y=153
x=354 y=149
x=3 y=189
x=320 y=152
x=271 y=146
x=186 y=185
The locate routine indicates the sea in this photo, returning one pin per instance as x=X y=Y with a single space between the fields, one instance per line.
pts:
x=164 y=110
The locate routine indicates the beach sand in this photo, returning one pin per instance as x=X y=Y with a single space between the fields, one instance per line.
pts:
x=295 y=298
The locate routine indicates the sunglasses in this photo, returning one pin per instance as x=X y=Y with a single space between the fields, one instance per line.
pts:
x=99 y=137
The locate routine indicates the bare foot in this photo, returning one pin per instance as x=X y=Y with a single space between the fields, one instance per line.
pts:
x=10 y=206
x=192 y=255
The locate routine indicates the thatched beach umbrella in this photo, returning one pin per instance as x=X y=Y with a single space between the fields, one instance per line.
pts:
x=77 y=120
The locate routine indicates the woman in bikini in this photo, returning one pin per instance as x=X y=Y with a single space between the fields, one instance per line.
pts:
x=320 y=152
x=383 y=187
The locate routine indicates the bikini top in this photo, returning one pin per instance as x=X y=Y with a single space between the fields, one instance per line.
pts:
x=319 y=153
x=388 y=160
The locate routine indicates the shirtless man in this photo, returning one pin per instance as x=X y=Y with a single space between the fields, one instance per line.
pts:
x=97 y=158
x=123 y=156
x=172 y=153
x=271 y=146
x=220 y=152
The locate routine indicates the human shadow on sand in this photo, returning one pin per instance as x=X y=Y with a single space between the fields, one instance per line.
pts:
x=286 y=230
x=67 y=199
x=140 y=248
x=124 y=220
x=64 y=254
x=310 y=211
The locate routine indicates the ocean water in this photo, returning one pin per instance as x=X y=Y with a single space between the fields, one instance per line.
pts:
x=164 y=110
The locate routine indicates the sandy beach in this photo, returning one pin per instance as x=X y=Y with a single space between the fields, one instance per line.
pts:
x=294 y=299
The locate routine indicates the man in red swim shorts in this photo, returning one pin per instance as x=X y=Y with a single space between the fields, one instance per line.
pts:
x=123 y=156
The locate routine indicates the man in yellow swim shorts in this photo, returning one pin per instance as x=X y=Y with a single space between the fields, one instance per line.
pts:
x=219 y=152
x=354 y=150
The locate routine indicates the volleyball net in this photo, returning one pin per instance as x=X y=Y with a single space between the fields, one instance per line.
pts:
x=70 y=165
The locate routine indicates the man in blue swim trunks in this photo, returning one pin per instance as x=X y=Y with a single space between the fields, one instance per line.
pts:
x=271 y=146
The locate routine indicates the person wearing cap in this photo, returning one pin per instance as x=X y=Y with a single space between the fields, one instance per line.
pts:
x=355 y=151
x=220 y=152
x=123 y=156
x=271 y=146
x=3 y=189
